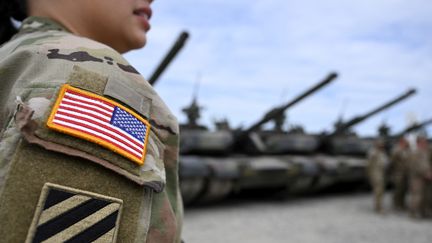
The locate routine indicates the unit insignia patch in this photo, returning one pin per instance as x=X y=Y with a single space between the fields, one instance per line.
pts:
x=69 y=215
x=100 y=120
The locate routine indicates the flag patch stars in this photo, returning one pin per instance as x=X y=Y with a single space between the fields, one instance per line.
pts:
x=70 y=215
x=124 y=120
x=100 y=120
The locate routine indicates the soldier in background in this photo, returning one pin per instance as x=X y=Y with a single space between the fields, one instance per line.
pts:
x=399 y=173
x=420 y=175
x=428 y=190
x=377 y=161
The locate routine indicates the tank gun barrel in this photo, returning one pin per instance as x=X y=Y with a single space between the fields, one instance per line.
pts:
x=414 y=127
x=181 y=40
x=345 y=126
x=278 y=111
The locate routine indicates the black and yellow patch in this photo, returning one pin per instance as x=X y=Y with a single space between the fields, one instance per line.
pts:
x=66 y=214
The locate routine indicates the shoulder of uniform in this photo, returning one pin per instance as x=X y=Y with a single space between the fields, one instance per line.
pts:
x=45 y=41
x=64 y=46
x=61 y=51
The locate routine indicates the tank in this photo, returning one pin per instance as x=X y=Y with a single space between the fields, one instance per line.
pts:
x=343 y=141
x=413 y=128
x=237 y=158
x=205 y=173
x=325 y=159
x=348 y=151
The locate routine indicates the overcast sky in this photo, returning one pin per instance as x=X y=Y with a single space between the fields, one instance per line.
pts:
x=250 y=55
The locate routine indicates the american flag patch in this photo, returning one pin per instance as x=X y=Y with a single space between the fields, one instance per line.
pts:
x=99 y=120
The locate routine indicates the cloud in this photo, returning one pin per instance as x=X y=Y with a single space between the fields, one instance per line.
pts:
x=250 y=53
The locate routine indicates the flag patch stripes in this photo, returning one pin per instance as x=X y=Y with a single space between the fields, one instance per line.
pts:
x=70 y=215
x=100 y=120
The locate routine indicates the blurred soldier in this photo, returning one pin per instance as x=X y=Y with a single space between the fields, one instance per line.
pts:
x=399 y=173
x=377 y=160
x=420 y=175
x=428 y=188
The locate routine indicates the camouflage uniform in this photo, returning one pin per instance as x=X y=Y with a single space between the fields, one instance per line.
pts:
x=419 y=172
x=399 y=175
x=377 y=160
x=428 y=189
x=57 y=186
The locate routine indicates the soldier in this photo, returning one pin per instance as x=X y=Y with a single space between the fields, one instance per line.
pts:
x=428 y=198
x=420 y=175
x=88 y=151
x=399 y=173
x=377 y=161
x=428 y=189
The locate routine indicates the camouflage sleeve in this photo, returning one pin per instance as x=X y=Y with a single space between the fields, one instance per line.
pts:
x=33 y=69
x=395 y=157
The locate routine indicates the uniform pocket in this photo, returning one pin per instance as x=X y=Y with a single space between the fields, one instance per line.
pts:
x=151 y=173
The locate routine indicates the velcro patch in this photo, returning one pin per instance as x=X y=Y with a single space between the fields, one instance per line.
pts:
x=69 y=215
x=100 y=120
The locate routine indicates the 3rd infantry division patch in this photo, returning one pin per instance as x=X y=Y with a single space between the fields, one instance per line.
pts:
x=70 y=215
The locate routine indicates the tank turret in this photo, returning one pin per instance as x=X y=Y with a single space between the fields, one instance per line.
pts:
x=270 y=142
x=193 y=113
x=279 y=111
x=272 y=163
x=344 y=126
x=414 y=127
x=342 y=141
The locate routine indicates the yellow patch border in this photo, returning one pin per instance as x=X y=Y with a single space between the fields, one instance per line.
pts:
x=82 y=135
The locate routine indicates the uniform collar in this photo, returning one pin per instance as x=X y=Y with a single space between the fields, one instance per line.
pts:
x=33 y=24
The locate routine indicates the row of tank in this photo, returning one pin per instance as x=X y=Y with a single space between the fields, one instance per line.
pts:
x=215 y=164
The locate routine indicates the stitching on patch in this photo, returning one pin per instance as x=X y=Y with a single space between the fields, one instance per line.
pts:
x=88 y=131
x=65 y=213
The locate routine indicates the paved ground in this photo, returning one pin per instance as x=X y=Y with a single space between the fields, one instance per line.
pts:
x=328 y=218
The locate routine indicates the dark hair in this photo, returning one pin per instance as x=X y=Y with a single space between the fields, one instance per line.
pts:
x=16 y=9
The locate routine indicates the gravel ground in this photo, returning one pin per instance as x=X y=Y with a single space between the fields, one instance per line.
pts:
x=328 y=218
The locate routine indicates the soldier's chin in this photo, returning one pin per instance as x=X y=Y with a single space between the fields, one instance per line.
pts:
x=137 y=43
x=130 y=47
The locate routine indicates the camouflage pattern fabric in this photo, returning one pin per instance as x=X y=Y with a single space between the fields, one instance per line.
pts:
x=428 y=189
x=377 y=161
x=399 y=175
x=33 y=66
x=418 y=180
